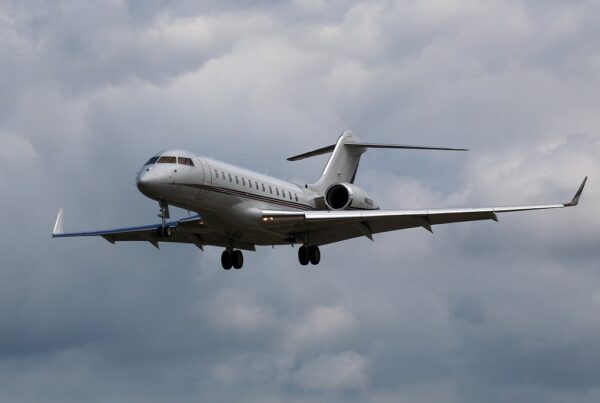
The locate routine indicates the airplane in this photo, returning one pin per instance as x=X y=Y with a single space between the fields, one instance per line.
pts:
x=238 y=209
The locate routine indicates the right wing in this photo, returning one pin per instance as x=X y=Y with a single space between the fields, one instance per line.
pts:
x=332 y=226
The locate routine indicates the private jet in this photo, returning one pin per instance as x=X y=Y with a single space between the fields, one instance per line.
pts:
x=238 y=209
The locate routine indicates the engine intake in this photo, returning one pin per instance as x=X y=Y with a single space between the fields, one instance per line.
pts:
x=342 y=196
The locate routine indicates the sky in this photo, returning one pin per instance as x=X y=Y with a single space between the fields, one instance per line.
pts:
x=476 y=312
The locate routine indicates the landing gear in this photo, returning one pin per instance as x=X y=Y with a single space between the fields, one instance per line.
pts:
x=163 y=230
x=314 y=254
x=309 y=254
x=232 y=258
x=238 y=259
x=227 y=259
x=303 y=255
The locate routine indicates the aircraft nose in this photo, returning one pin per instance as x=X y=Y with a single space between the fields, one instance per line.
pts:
x=145 y=181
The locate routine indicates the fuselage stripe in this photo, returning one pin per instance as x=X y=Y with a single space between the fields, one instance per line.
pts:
x=248 y=195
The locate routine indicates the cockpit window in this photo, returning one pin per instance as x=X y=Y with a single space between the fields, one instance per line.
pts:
x=186 y=161
x=167 y=160
x=151 y=161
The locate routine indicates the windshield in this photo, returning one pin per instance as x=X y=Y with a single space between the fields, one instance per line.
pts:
x=165 y=159
x=151 y=161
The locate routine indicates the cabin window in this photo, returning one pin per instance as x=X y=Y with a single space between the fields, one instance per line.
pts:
x=277 y=191
x=296 y=196
x=243 y=181
x=185 y=161
x=256 y=183
x=230 y=180
x=237 y=180
x=290 y=195
x=223 y=175
x=167 y=160
x=270 y=189
x=217 y=174
x=151 y=161
x=263 y=187
x=282 y=193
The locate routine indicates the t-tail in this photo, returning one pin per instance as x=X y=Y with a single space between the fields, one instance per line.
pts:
x=345 y=158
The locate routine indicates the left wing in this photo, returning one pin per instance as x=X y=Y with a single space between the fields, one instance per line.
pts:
x=190 y=230
x=333 y=226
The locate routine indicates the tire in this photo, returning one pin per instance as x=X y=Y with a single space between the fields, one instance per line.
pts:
x=314 y=254
x=303 y=255
x=226 y=259
x=237 y=259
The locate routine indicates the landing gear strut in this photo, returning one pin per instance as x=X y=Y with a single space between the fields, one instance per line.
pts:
x=232 y=258
x=309 y=254
x=163 y=230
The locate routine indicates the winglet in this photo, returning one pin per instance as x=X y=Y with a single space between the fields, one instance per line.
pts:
x=58 y=226
x=575 y=200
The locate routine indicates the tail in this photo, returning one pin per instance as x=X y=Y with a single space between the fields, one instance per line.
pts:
x=342 y=164
x=345 y=157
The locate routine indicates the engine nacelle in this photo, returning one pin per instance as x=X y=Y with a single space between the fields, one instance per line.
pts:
x=342 y=196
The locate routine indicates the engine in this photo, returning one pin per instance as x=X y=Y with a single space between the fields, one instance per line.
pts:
x=342 y=196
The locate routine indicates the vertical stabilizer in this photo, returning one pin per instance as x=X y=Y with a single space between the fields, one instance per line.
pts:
x=343 y=163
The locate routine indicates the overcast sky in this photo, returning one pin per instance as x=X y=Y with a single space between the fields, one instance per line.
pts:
x=477 y=312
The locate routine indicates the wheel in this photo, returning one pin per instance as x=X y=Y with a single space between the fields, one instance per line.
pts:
x=226 y=259
x=314 y=254
x=303 y=255
x=237 y=259
x=167 y=231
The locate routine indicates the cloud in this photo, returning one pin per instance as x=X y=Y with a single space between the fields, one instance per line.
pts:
x=478 y=311
x=320 y=325
x=331 y=372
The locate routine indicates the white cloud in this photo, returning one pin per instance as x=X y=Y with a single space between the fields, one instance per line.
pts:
x=322 y=324
x=233 y=311
x=15 y=149
x=346 y=370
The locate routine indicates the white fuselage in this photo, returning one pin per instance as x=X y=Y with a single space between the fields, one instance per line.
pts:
x=221 y=193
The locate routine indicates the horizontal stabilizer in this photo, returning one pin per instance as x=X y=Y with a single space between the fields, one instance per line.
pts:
x=312 y=153
x=401 y=146
x=364 y=146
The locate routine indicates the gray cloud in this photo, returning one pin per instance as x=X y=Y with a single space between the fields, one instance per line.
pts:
x=480 y=311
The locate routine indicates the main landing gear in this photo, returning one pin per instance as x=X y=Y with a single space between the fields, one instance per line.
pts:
x=164 y=230
x=309 y=253
x=232 y=258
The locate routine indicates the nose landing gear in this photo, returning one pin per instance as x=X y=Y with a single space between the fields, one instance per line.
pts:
x=232 y=258
x=163 y=230
x=309 y=254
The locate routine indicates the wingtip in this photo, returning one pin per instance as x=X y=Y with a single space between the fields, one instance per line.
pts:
x=58 y=225
x=575 y=200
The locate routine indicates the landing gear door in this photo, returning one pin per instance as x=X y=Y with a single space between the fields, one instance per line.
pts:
x=205 y=178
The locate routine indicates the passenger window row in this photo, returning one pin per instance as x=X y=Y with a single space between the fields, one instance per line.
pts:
x=249 y=184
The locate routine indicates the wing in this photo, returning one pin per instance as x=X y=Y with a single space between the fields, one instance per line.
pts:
x=190 y=230
x=325 y=227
